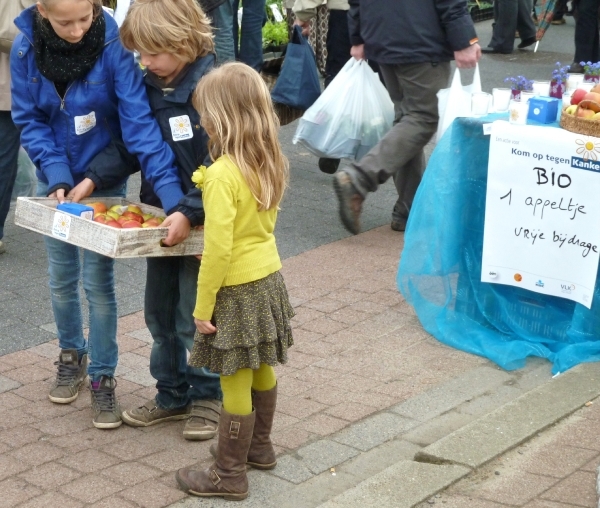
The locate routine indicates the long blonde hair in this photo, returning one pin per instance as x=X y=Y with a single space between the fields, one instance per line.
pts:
x=236 y=110
x=177 y=27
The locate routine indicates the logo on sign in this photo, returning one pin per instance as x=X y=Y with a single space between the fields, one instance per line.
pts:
x=567 y=288
x=539 y=284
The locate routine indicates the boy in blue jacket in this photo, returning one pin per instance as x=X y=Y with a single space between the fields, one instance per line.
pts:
x=77 y=97
x=175 y=43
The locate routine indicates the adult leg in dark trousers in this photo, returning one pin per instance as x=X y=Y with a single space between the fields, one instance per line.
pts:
x=510 y=15
x=587 y=42
x=399 y=154
x=9 y=153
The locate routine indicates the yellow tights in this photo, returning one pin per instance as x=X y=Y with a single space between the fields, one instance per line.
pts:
x=237 y=388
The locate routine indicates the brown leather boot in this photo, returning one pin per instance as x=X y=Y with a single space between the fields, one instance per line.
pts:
x=261 y=454
x=226 y=477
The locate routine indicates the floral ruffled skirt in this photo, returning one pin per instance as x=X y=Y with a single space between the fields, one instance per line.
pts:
x=253 y=327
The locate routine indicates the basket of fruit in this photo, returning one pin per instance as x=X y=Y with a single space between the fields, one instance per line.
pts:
x=583 y=114
x=113 y=227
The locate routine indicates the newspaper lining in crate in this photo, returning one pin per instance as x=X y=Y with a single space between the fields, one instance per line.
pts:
x=40 y=215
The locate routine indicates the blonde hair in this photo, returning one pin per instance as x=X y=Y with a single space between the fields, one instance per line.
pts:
x=178 y=27
x=236 y=110
x=96 y=4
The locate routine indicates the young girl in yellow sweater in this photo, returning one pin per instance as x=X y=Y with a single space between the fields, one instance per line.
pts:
x=242 y=310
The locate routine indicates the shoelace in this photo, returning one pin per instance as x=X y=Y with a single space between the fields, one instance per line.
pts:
x=105 y=399
x=66 y=373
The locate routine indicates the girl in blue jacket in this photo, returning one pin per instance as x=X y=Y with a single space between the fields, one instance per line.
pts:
x=79 y=100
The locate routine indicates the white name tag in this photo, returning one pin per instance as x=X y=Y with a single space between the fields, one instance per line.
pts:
x=85 y=123
x=61 y=225
x=181 y=127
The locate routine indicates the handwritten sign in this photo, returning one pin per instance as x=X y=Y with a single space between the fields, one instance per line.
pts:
x=542 y=215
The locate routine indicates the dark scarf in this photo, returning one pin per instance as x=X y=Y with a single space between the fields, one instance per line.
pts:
x=59 y=60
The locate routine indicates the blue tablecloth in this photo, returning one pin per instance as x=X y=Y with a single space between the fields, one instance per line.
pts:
x=440 y=269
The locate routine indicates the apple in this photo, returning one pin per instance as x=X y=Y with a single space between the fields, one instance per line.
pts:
x=113 y=224
x=596 y=89
x=112 y=214
x=591 y=102
x=135 y=209
x=152 y=223
x=98 y=207
x=578 y=96
x=147 y=216
x=596 y=117
x=101 y=218
x=119 y=209
x=585 y=113
x=133 y=215
x=592 y=96
x=571 y=110
x=130 y=223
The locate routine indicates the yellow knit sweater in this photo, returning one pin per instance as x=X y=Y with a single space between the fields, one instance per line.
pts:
x=239 y=245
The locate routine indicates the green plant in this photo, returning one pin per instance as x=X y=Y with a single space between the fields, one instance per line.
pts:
x=479 y=4
x=275 y=33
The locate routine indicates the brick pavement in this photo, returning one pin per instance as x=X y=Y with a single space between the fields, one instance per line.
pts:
x=555 y=469
x=358 y=349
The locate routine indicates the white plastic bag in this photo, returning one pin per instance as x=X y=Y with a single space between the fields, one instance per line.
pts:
x=350 y=117
x=26 y=181
x=455 y=102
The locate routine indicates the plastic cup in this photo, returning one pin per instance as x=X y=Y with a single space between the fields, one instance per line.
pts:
x=526 y=95
x=541 y=88
x=566 y=99
x=517 y=112
x=587 y=85
x=501 y=99
x=573 y=81
x=480 y=103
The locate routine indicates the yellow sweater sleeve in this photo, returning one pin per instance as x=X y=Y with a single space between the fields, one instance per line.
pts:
x=219 y=204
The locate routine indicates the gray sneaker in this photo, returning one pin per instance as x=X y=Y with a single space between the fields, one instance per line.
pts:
x=204 y=420
x=151 y=414
x=107 y=413
x=70 y=376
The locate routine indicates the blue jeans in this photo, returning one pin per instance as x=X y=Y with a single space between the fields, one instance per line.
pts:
x=9 y=153
x=222 y=22
x=254 y=17
x=65 y=270
x=171 y=285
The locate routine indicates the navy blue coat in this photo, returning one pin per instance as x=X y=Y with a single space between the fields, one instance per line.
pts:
x=410 y=31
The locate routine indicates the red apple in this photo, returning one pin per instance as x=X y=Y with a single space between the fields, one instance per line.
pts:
x=98 y=207
x=133 y=215
x=578 y=96
x=130 y=223
x=152 y=223
x=585 y=113
x=113 y=224
x=101 y=218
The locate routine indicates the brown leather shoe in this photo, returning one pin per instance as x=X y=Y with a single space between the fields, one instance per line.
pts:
x=261 y=454
x=226 y=477
x=203 y=421
x=350 y=201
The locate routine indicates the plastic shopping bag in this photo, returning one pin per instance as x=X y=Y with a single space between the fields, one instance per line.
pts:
x=298 y=83
x=26 y=181
x=455 y=102
x=351 y=116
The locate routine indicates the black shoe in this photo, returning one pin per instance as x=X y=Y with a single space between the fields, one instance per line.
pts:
x=527 y=42
x=495 y=51
x=398 y=224
x=350 y=202
x=329 y=166
x=576 y=68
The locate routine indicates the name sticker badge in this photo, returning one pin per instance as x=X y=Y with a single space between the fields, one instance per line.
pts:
x=85 y=123
x=61 y=225
x=181 y=127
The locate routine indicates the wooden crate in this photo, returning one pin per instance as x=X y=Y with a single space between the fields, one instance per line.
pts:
x=40 y=215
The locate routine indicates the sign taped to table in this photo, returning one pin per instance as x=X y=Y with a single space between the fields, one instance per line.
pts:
x=542 y=215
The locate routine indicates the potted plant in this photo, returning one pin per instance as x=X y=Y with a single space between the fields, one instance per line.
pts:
x=519 y=84
x=480 y=10
x=558 y=83
x=591 y=71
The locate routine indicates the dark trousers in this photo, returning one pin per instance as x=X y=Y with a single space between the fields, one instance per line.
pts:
x=338 y=44
x=510 y=16
x=587 y=42
x=9 y=153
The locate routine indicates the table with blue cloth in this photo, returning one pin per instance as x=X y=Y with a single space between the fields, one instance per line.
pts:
x=440 y=269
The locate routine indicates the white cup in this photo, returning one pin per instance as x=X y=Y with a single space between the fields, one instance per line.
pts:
x=587 y=85
x=501 y=99
x=526 y=95
x=480 y=103
x=566 y=99
x=517 y=112
x=573 y=81
x=541 y=88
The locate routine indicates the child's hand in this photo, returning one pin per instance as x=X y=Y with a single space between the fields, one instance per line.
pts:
x=82 y=190
x=179 y=228
x=205 y=327
x=59 y=195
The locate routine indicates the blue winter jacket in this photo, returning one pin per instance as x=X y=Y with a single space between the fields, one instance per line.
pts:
x=62 y=136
